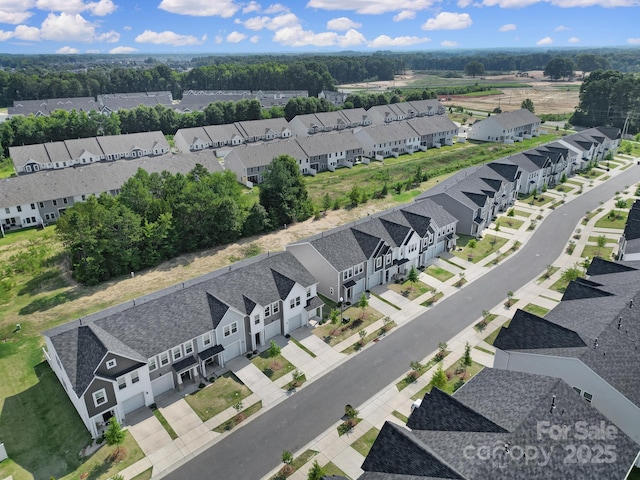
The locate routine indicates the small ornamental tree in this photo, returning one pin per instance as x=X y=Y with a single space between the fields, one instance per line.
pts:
x=412 y=277
x=439 y=378
x=334 y=318
x=316 y=472
x=466 y=358
x=114 y=435
x=363 y=303
x=274 y=349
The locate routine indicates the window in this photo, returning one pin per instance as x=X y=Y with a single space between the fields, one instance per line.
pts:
x=330 y=290
x=55 y=202
x=111 y=363
x=230 y=329
x=256 y=320
x=378 y=262
x=152 y=364
x=99 y=397
x=297 y=301
x=275 y=307
x=33 y=206
x=164 y=358
x=122 y=383
x=134 y=377
x=292 y=303
x=6 y=210
x=347 y=274
x=267 y=311
x=188 y=348
x=308 y=293
x=388 y=258
x=19 y=208
x=206 y=339
x=64 y=200
x=177 y=353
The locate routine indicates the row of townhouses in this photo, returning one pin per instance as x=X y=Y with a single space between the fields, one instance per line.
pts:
x=562 y=401
x=118 y=360
x=629 y=244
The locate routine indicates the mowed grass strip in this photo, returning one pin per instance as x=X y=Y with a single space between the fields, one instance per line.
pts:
x=226 y=391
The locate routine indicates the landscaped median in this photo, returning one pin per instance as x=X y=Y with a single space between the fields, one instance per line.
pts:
x=226 y=391
x=358 y=319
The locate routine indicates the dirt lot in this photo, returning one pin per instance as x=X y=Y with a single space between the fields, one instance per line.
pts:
x=547 y=96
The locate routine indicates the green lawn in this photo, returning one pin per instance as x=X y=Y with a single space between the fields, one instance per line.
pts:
x=509 y=222
x=365 y=442
x=492 y=336
x=331 y=469
x=595 y=251
x=225 y=392
x=536 y=309
x=489 y=244
x=482 y=324
x=430 y=301
x=614 y=219
x=165 y=424
x=409 y=290
x=594 y=239
x=369 y=338
x=546 y=274
x=272 y=367
x=449 y=388
x=413 y=375
x=146 y=475
x=400 y=416
x=438 y=273
x=334 y=334
x=238 y=418
x=522 y=213
x=563 y=187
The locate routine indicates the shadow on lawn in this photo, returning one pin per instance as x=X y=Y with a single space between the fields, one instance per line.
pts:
x=45 y=303
x=41 y=430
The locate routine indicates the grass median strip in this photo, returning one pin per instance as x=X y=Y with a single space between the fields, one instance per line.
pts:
x=238 y=418
x=302 y=347
x=382 y=299
x=163 y=421
x=365 y=442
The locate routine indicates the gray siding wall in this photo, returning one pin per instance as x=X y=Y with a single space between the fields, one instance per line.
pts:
x=122 y=365
x=96 y=385
x=327 y=276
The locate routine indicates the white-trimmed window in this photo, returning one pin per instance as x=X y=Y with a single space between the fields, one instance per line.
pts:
x=230 y=329
x=152 y=364
x=256 y=319
x=275 y=307
x=122 y=383
x=297 y=301
x=206 y=339
x=111 y=363
x=378 y=262
x=267 y=311
x=188 y=348
x=100 y=397
x=135 y=378
x=294 y=302
x=308 y=293
x=388 y=258
x=164 y=358
x=176 y=352
x=347 y=274
x=358 y=269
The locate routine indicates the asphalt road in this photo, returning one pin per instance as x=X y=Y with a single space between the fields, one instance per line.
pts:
x=256 y=448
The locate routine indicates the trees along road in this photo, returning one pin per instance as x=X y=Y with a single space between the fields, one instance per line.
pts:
x=255 y=449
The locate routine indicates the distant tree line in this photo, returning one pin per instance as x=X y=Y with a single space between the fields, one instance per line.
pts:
x=608 y=97
x=158 y=216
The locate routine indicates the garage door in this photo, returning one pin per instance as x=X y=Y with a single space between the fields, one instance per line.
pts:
x=295 y=322
x=272 y=330
x=133 y=403
x=162 y=384
x=232 y=351
x=358 y=288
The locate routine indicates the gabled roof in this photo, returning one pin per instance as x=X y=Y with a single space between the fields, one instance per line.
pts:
x=368 y=243
x=515 y=119
x=579 y=290
x=430 y=125
x=505 y=170
x=529 y=332
x=442 y=412
x=262 y=154
x=599 y=266
x=632 y=227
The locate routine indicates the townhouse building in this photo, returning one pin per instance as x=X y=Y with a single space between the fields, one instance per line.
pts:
x=120 y=359
x=629 y=243
x=390 y=140
x=506 y=127
x=328 y=151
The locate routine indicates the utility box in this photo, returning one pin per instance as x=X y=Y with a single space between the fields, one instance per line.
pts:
x=3 y=452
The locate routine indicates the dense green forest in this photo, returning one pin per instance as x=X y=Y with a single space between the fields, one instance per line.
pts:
x=158 y=216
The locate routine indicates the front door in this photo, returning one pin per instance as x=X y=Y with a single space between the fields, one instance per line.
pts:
x=106 y=416
x=257 y=340
x=185 y=376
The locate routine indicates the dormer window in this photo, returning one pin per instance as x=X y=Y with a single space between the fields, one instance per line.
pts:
x=111 y=363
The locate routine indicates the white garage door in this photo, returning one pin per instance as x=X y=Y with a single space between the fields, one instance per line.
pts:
x=162 y=384
x=358 y=288
x=272 y=330
x=133 y=403
x=232 y=351
x=295 y=322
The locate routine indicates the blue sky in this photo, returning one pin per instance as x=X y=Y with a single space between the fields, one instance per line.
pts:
x=236 y=26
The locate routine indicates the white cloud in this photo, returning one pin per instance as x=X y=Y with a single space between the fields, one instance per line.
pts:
x=67 y=27
x=448 y=21
x=633 y=41
x=4 y=35
x=99 y=8
x=276 y=8
x=271 y=23
x=464 y=3
x=351 y=38
x=562 y=3
x=201 y=8
x=254 y=39
x=574 y=40
x=545 y=41
x=370 y=6
x=449 y=43
x=560 y=28
x=508 y=27
x=102 y=8
x=14 y=17
x=296 y=36
x=342 y=24
x=386 y=41
x=168 y=38
x=235 y=37
x=252 y=7
x=67 y=51
x=127 y=28
x=110 y=37
x=23 y=32
x=123 y=50
x=218 y=39
x=509 y=3
x=404 y=15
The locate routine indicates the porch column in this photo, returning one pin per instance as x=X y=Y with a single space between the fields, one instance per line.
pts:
x=195 y=372
x=179 y=379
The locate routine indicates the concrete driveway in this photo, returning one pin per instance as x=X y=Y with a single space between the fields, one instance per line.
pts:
x=147 y=431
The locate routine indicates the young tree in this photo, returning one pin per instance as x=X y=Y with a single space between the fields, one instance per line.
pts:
x=326 y=202
x=316 y=472
x=334 y=318
x=363 y=303
x=283 y=192
x=287 y=457
x=620 y=204
x=509 y=298
x=274 y=349
x=114 y=435
x=413 y=277
x=528 y=104
x=439 y=378
x=602 y=241
x=466 y=358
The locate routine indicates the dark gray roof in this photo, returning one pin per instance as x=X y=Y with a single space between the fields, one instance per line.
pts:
x=442 y=412
x=496 y=398
x=528 y=331
x=210 y=352
x=577 y=290
x=600 y=266
x=515 y=119
x=632 y=227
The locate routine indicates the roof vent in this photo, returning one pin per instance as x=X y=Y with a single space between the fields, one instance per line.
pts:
x=553 y=404
x=595 y=343
x=619 y=323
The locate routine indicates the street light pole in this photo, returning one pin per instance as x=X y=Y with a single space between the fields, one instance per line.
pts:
x=341 y=308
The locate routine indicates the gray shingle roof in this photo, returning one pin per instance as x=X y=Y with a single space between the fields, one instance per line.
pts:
x=113 y=144
x=325 y=143
x=262 y=154
x=515 y=119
